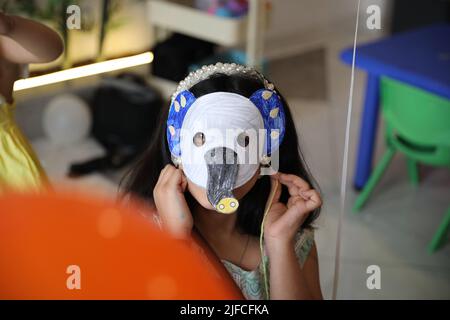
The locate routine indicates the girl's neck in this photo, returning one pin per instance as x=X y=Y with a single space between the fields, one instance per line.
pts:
x=211 y=224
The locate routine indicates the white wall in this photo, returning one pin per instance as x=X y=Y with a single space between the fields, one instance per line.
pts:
x=292 y=16
x=300 y=24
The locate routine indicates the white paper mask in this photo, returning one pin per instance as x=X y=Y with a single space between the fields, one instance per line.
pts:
x=223 y=119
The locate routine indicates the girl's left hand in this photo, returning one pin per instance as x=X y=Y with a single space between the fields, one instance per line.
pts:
x=284 y=220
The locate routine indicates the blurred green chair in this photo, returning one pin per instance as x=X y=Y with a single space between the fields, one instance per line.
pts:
x=440 y=236
x=418 y=126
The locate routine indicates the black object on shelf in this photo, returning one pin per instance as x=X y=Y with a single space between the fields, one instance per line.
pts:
x=173 y=56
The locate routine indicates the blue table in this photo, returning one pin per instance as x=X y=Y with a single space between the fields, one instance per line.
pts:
x=420 y=58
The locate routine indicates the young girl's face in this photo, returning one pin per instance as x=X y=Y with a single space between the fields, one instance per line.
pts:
x=199 y=193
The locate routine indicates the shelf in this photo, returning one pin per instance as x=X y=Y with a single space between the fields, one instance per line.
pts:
x=190 y=21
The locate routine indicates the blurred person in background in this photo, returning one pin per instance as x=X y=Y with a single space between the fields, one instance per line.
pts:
x=22 y=41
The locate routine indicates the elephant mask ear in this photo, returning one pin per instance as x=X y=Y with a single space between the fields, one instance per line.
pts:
x=178 y=109
x=271 y=108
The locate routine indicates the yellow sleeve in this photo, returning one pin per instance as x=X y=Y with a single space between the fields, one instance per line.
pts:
x=19 y=166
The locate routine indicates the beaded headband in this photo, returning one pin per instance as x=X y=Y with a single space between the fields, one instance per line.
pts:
x=226 y=68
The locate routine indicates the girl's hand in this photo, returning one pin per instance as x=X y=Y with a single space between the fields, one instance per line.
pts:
x=5 y=24
x=168 y=196
x=283 y=221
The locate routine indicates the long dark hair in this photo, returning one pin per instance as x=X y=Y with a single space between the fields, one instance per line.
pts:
x=143 y=176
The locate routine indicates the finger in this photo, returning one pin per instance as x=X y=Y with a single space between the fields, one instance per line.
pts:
x=175 y=178
x=161 y=176
x=164 y=170
x=166 y=173
x=296 y=214
x=313 y=199
x=304 y=194
x=293 y=189
x=184 y=181
x=292 y=180
x=293 y=200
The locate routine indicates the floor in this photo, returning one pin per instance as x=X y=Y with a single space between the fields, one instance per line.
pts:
x=393 y=230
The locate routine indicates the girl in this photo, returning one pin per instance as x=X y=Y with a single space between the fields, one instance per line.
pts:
x=288 y=265
x=22 y=41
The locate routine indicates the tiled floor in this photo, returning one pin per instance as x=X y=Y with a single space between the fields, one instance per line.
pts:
x=398 y=222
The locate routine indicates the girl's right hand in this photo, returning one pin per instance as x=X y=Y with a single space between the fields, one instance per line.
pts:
x=171 y=204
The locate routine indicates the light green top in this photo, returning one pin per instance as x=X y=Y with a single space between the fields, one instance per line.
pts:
x=251 y=282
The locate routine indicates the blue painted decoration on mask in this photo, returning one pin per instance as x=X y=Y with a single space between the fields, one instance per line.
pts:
x=178 y=109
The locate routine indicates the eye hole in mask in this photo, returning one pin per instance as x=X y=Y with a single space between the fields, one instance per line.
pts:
x=199 y=139
x=243 y=139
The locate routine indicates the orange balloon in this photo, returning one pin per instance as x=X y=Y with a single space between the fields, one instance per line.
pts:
x=61 y=246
